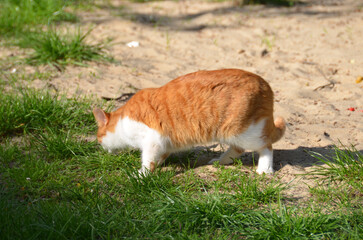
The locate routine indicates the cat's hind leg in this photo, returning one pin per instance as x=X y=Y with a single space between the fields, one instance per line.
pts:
x=227 y=157
x=265 y=160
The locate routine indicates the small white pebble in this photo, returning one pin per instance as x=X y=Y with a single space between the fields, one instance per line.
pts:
x=133 y=44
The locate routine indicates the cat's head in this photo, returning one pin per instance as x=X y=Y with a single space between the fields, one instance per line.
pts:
x=106 y=135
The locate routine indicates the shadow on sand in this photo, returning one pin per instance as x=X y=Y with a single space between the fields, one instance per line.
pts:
x=184 y=22
x=300 y=157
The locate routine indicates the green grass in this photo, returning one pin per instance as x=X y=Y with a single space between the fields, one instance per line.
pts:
x=94 y=212
x=56 y=184
x=32 y=24
x=340 y=177
x=25 y=110
x=344 y=166
x=21 y=17
x=55 y=49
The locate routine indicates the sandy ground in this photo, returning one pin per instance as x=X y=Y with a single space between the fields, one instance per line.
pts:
x=311 y=54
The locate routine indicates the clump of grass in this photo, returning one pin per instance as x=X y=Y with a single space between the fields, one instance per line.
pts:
x=21 y=17
x=9 y=154
x=191 y=215
x=346 y=165
x=250 y=189
x=61 y=144
x=21 y=23
x=59 y=50
x=25 y=110
x=337 y=194
x=341 y=177
x=290 y=223
x=254 y=190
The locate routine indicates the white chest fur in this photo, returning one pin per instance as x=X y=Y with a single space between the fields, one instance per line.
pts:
x=130 y=133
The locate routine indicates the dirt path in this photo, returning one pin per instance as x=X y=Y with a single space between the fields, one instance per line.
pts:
x=311 y=54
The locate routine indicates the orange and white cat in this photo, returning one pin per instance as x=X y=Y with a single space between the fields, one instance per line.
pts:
x=229 y=106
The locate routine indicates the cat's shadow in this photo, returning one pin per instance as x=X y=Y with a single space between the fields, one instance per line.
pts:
x=299 y=157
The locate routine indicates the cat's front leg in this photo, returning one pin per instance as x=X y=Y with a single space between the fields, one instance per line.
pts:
x=265 y=161
x=151 y=158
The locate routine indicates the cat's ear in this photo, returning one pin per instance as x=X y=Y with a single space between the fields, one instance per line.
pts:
x=102 y=117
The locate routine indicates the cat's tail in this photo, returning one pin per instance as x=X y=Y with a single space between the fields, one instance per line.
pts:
x=280 y=127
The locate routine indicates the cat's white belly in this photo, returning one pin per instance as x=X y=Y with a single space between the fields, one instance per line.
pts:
x=130 y=133
x=251 y=139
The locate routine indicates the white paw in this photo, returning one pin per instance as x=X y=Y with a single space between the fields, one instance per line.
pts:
x=143 y=172
x=267 y=171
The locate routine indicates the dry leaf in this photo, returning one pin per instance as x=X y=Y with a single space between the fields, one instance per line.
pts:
x=359 y=79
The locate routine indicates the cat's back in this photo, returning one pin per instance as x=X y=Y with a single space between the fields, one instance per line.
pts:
x=217 y=80
x=203 y=106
